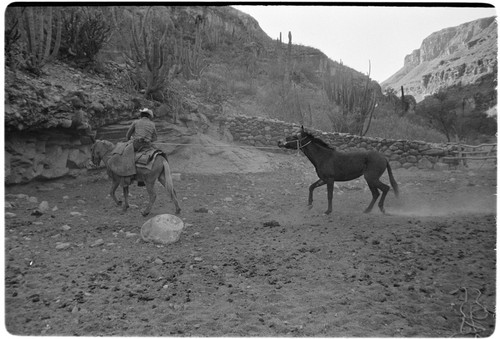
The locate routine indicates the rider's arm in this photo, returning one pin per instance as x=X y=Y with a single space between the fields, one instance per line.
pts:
x=130 y=131
x=154 y=137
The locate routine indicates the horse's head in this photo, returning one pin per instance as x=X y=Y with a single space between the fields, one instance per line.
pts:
x=99 y=149
x=298 y=138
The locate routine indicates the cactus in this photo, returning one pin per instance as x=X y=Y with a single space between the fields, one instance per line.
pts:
x=38 y=28
x=357 y=104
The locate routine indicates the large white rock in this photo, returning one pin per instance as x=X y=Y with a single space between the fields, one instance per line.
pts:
x=163 y=229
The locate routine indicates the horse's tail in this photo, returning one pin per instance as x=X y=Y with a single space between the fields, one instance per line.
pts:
x=169 y=184
x=394 y=184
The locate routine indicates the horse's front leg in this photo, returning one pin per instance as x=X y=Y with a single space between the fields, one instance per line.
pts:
x=125 y=198
x=150 y=186
x=114 y=186
x=329 y=189
x=311 y=189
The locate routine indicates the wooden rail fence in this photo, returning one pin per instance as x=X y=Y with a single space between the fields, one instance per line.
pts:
x=463 y=153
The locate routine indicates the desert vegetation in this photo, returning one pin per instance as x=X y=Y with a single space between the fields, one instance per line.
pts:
x=170 y=53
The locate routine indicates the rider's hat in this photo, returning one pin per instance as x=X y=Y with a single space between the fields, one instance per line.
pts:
x=147 y=111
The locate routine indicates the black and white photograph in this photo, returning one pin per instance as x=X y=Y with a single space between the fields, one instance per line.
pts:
x=250 y=169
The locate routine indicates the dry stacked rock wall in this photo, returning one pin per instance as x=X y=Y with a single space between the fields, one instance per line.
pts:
x=401 y=153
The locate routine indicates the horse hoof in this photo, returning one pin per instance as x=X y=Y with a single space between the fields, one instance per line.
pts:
x=178 y=211
x=309 y=206
x=367 y=211
x=328 y=212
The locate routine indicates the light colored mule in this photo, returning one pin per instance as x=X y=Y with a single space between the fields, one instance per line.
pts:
x=160 y=170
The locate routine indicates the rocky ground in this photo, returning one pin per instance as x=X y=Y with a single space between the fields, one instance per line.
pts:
x=253 y=260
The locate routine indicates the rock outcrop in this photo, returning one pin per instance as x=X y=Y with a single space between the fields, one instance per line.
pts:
x=457 y=56
x=50 y=120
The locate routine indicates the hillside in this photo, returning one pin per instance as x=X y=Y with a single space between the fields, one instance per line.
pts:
x=463 y=56
x=214 y=62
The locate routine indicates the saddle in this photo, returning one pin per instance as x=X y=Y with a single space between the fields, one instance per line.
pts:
x=124 y=160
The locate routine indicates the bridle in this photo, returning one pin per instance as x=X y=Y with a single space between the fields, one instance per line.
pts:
x=299 y=142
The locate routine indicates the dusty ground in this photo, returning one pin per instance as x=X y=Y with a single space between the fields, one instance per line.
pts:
x=257 y=262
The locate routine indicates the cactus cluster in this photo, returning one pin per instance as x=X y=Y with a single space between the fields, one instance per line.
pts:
x=38 y=25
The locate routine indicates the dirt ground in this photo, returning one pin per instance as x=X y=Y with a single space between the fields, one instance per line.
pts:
x=253 y=260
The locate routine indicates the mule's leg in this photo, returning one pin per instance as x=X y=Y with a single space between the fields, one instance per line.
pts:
x=166 y=181
x=150 y=186
x=125 y=198
x=329 y=189
x=311 y=189
x=114 y=186
x=385 y=189
x=375 y=195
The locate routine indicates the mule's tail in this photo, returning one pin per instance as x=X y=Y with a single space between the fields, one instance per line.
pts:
x=394 y=184
x=169 y=185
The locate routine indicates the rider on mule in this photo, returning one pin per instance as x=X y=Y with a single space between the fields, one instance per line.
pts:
x=143 y=131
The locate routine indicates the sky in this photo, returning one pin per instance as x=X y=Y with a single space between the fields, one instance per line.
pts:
x=357 y=35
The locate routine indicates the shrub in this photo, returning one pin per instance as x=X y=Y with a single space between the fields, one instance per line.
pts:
x=85 y=31
x=403 y=128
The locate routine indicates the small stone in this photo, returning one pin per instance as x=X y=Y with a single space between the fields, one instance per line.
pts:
x=37 y=223
x=158 y=261
x=201 y=210
x=65 y=197
x=54 y=209
x=130 y=234
x=198 y=259
x=62 y=245
x=44 y=206
x=81 y=202
x=8 y=204
x=228 y=199
x=32 y=199
x=96 y=243
x=65 y=227
x=10 y=215
x=75 y=214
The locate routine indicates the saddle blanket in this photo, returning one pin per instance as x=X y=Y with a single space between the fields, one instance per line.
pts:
x=145 y=159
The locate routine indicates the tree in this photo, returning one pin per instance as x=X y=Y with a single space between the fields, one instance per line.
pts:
x=85 y=32
x=439 y=112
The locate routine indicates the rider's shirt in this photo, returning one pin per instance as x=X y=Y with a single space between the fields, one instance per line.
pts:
x=142 y=129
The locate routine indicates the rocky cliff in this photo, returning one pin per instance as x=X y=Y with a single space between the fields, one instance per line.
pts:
x=458 y=56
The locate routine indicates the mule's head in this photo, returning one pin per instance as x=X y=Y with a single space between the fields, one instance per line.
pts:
x=98 y=150
x=294 y=141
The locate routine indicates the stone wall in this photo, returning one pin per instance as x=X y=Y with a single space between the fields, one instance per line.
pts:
x=401 y=153
x=47 y=154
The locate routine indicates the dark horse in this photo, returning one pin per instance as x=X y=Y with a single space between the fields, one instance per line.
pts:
x=332 y=165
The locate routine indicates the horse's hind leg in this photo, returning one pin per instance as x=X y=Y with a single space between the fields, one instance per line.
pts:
x=385 y=189
x=150 y=186
x=375 y=195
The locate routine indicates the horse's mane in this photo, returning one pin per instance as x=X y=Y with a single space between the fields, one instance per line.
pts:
x=318 y=141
